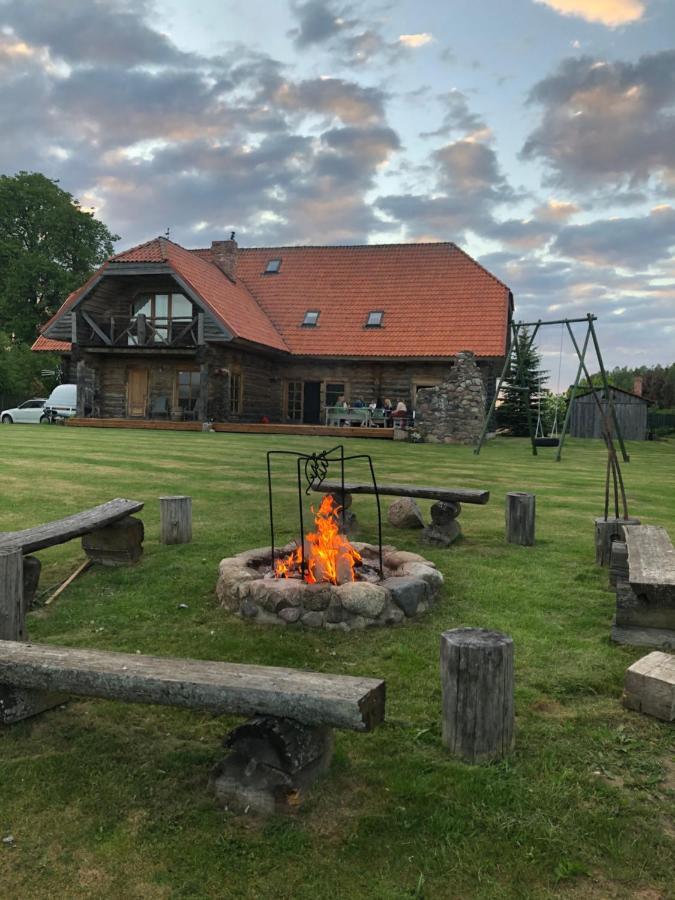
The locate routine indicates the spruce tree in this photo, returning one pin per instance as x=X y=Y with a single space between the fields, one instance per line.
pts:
x=511 y=413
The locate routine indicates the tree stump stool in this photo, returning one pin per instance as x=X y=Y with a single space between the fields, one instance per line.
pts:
x=175 y=520
x=520 y=518
x=31 y=578
x=272 y=764
x=444 y=528
x=606 y=532
x=477 y=687
x=118 y=544
x=17 y=703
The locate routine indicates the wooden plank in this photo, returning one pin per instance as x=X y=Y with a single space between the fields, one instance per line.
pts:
x=62 y=530
x=448 y=495
x=651 y=562
x=340 y=701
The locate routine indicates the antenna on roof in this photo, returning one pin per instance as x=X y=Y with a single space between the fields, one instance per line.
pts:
x=167 y=232
x=232 y=236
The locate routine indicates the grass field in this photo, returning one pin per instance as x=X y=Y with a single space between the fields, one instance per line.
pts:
x=106 y=800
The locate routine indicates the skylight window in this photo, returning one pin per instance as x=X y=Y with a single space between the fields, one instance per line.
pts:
x=311 y=317
x=374 y=319
x=272 y=267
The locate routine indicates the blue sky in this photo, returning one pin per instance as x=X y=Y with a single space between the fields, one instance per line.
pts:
x=537 y=134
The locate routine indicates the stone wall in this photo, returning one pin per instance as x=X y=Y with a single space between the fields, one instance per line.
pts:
x=453 y=412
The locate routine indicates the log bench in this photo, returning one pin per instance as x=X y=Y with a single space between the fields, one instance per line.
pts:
x=443 y=529
x=273 y=758
x=110 y=535
x=642 y=568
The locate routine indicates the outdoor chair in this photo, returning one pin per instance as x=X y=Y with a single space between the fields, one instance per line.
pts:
x=159 y=407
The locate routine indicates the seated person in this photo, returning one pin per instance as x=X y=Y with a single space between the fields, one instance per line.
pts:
x=358 y=403
x=401 y=411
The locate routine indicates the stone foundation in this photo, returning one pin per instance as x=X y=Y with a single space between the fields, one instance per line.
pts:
x=410 y=584
x=453 y=412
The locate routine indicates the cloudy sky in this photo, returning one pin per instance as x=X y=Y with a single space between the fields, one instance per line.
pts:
x=537 y=134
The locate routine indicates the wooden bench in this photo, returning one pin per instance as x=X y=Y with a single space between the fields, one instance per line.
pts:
x=642 y=567
x=443 y=529
x=110 y=536
x=274 y=758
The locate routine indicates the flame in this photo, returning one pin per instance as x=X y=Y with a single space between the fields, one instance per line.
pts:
x=328 y=554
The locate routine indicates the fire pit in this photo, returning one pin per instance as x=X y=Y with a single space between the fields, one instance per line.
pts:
x=341 y=588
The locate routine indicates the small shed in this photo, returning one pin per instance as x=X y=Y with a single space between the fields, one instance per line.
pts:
x=631 y=411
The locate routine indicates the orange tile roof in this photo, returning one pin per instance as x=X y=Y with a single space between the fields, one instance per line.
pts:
x=436 y=300
x=47 y=345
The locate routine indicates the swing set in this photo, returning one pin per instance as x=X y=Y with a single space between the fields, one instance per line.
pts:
x=516 y=356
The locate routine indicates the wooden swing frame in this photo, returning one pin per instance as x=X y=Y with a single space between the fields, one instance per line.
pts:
x=514 y=354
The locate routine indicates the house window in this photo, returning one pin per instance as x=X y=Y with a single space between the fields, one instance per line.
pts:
x=294 y=401
x=165 y=315
x=236 y=392
x=334 y=390
x=272 y=267
x=311 y=318
x=374 y=319
x=188 y=390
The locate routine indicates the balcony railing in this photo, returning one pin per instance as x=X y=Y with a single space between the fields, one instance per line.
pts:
x=138 y=331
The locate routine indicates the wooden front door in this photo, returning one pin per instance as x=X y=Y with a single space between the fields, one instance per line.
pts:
x=137 y=392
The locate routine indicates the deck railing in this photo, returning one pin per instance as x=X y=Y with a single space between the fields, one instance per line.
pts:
x=140 y=331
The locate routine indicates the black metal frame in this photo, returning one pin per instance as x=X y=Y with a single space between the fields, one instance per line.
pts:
x=315 y=471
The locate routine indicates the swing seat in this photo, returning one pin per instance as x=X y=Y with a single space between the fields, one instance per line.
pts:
x=547 y=442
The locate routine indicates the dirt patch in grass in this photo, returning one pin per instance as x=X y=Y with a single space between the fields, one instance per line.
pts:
x=551 y=709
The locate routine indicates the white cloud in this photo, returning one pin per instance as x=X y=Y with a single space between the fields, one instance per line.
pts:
x=415 y=40
x=608 y=12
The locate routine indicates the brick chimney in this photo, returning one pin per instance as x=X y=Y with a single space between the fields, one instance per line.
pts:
x=224 y=255
x=637 y=385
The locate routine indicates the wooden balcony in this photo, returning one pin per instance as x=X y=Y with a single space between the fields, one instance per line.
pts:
x=126 y=332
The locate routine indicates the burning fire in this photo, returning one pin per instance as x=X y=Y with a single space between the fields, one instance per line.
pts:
x=328 y=554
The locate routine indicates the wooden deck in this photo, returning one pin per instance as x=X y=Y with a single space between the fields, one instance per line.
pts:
x=236 y=428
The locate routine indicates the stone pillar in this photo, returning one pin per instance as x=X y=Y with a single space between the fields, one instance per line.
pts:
x=453 y=412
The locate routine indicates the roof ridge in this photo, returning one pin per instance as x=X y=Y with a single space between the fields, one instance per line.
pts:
x=480 y=266
x=138 y=247
x=334 y=246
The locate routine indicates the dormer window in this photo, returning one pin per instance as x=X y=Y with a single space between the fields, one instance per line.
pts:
x=374 y=319
x=272 y=267
x=311 y=318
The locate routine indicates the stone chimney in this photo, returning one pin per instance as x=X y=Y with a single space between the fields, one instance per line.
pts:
x=637 y=385
x=224 y=255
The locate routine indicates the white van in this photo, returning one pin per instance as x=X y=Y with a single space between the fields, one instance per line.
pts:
x=62 y=402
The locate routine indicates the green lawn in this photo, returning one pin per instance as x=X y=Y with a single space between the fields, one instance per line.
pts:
x=107 y=800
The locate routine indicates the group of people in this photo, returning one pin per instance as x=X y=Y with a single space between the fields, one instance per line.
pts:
x=400 y=411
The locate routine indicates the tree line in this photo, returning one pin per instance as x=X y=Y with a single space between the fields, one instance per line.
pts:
x=49 y=246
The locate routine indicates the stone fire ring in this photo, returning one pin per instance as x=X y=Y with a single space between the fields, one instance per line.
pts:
x=410 y=585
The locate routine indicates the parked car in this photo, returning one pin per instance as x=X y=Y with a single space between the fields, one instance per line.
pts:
x=32 y=411
x=62 y=402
